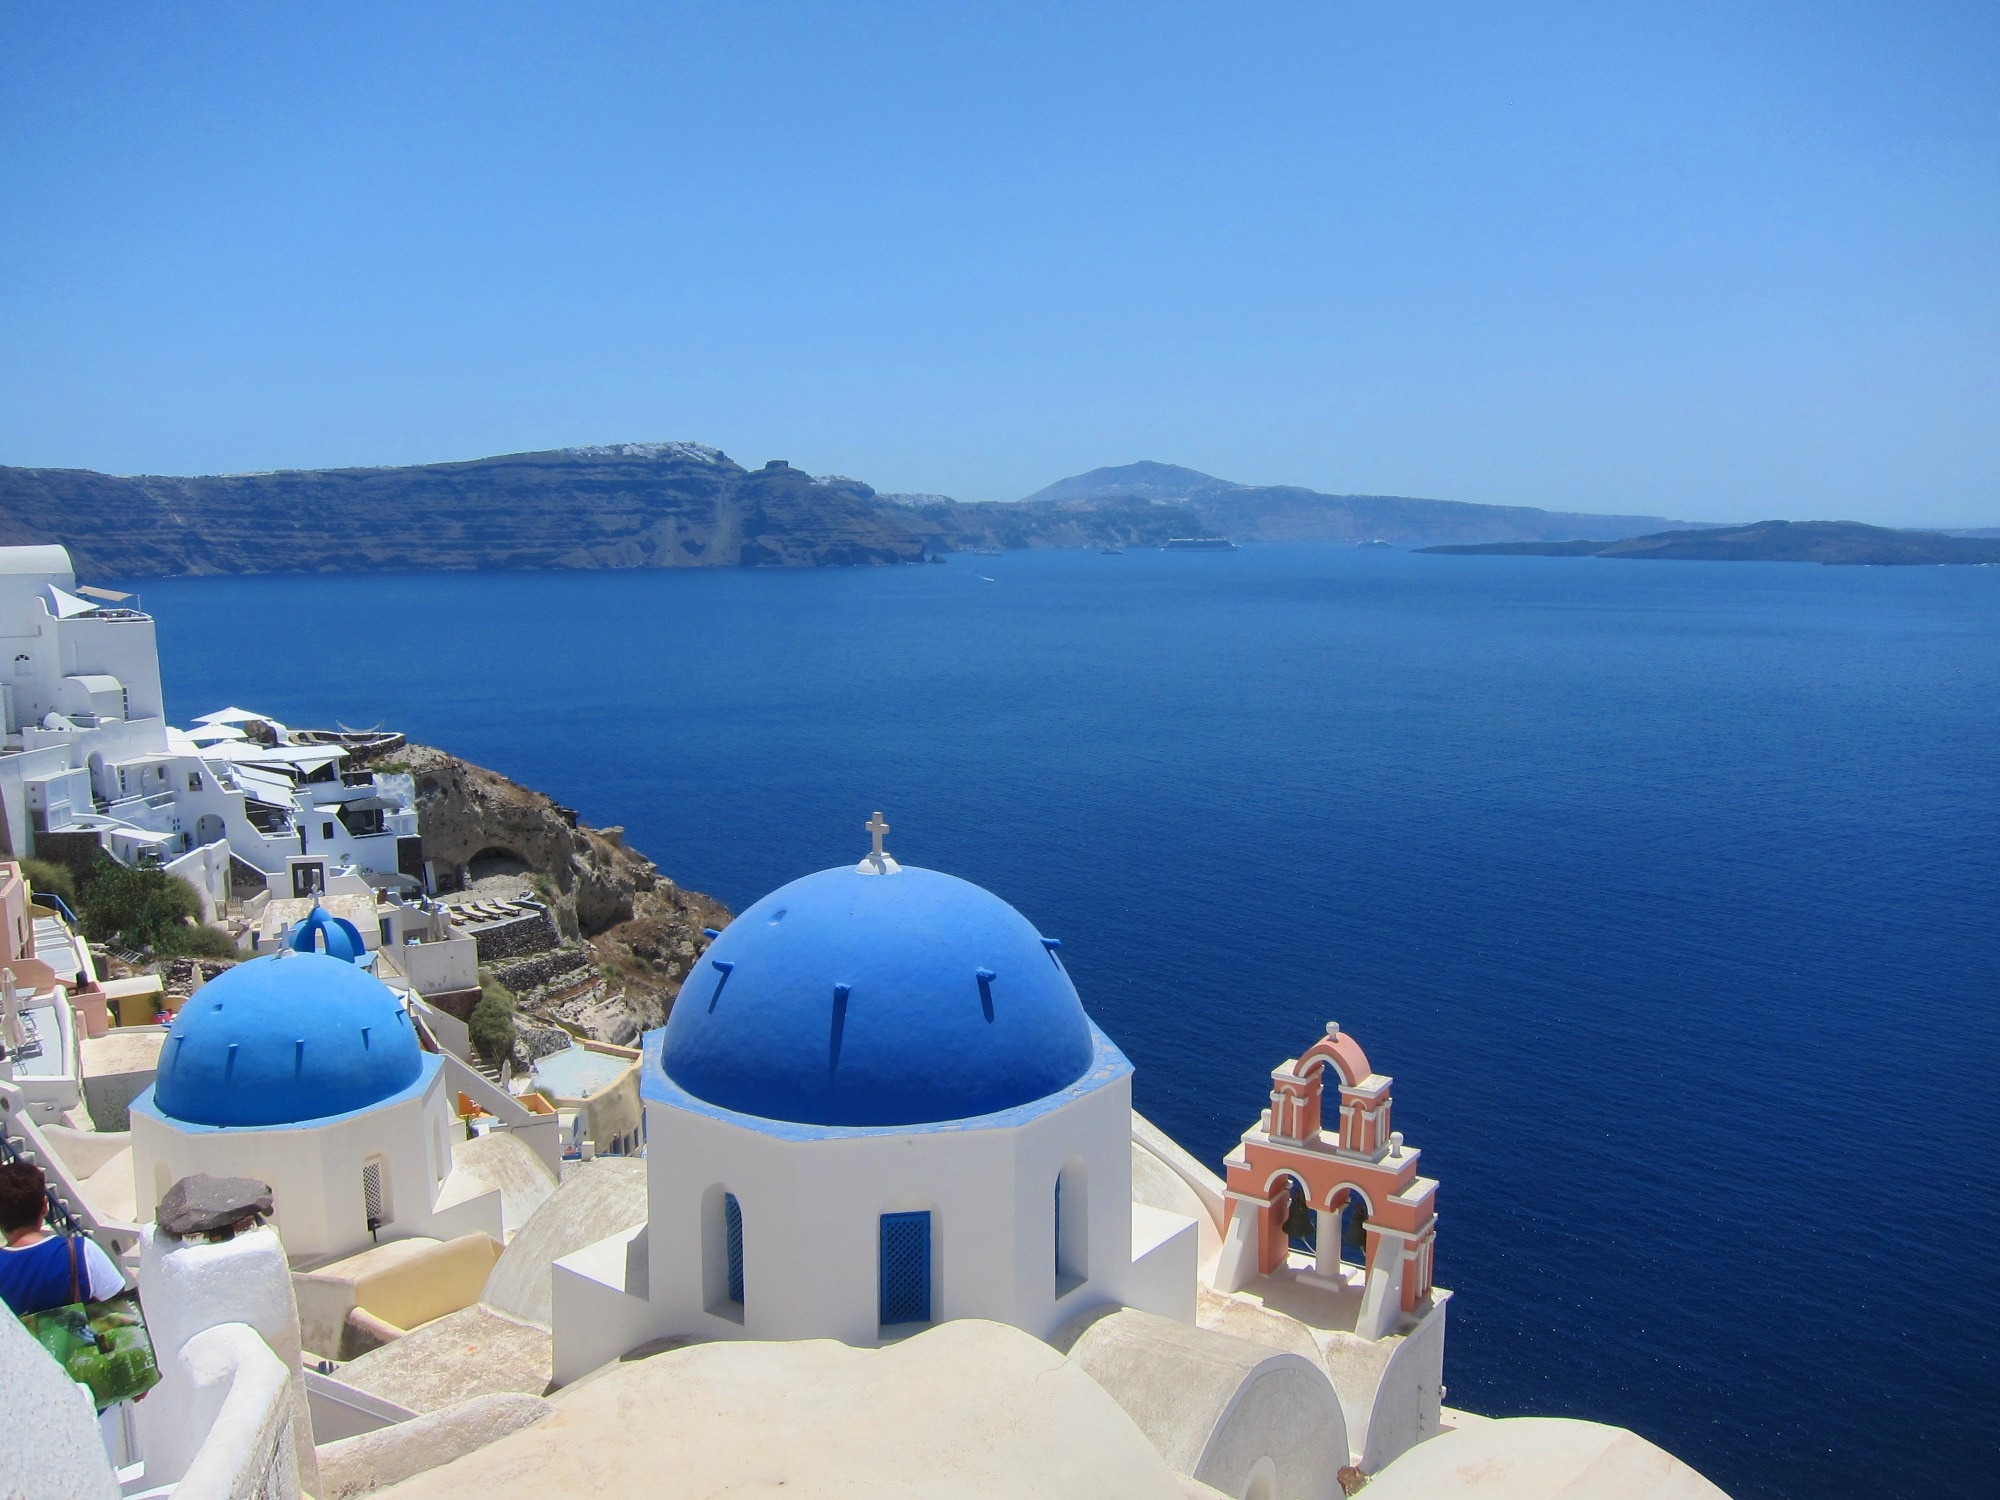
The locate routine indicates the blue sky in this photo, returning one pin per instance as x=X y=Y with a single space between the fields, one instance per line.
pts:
x=1715 y=260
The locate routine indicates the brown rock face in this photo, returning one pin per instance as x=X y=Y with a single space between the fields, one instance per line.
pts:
x=640 y=929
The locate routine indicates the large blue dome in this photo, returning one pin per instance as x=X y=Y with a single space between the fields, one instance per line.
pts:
x=900 y=999
x=285 y=1039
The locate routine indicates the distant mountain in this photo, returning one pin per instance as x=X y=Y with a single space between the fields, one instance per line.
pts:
x=1286 y=513
x=1144 y=480
x=624 y=505
x=680 y=505
x=1832 y=542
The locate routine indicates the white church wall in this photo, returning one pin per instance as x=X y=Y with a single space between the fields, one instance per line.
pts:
x=811 y=1214
x=315 y=1171
x=1166 y=1263
x=596 y=1312
x=1406 y=1409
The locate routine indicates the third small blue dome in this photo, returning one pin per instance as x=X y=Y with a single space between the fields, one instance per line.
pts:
x=907 y=998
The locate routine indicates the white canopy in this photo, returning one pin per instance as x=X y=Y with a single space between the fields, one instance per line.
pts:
x=266 y=786
x=298 y=757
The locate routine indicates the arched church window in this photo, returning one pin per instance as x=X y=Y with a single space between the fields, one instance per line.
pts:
x=732 y=1235
x=375 y=1193
x=1072 y=1227
x=906 y=1268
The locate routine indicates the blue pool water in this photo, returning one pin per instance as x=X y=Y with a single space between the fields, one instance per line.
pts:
x=1667 y=891
x=576 y=1072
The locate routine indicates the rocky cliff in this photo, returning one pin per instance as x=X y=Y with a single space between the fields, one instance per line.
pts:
x=680 y=505
x=631 y=505
x=629 y=934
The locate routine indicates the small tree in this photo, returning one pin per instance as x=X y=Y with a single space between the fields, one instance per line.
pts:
x=491 y=1024
x=135 y=907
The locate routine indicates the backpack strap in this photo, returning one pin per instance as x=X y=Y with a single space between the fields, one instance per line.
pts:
x=76 y=1287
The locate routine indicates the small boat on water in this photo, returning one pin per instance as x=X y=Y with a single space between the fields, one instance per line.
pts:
x=1374 y=541
x=1199 y=544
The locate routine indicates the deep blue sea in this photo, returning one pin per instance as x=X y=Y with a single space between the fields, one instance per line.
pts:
x=1668 y=892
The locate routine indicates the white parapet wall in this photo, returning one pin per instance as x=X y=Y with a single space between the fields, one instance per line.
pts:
x=240 y=1402
x=187 y=1288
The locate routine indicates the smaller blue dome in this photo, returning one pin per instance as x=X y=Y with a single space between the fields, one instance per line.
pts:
x=284 y=1039
x=322 y=932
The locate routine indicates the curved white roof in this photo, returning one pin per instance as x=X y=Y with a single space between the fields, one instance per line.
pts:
x=48 y=558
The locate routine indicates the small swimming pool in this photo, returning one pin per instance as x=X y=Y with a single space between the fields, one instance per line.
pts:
x=576 y=1072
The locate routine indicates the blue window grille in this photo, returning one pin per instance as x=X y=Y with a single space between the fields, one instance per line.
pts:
x=732 y=1235
x=906 y=1268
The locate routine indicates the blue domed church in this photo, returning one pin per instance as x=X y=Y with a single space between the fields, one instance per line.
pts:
x=302 y=1070
x=877 y=1104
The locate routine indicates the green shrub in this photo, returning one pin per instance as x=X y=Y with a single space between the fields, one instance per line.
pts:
x=135 y=907
x=196 y=942
x=491 y=1024
x=44 y=876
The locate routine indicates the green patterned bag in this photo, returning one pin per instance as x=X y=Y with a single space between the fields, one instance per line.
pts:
x=103 y=1345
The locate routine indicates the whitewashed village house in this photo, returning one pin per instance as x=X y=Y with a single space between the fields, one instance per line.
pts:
x=88 y=754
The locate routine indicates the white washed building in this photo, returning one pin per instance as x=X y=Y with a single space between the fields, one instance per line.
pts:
x=87 y=750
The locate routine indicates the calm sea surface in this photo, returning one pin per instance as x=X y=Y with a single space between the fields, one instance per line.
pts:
x=1669 y=893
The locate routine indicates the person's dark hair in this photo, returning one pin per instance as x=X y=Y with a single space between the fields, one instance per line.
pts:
x=24 y=1196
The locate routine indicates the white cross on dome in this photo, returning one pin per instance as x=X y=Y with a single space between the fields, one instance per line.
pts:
x=878 y=861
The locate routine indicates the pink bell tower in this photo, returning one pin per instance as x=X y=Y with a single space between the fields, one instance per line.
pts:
x=1338 y=1146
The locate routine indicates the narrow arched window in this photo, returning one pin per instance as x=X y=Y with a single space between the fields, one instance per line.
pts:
x=732 y=1237
x=1072 y=1227
x=375 y=1201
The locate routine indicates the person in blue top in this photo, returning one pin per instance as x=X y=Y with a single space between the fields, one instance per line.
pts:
x=40 y=1269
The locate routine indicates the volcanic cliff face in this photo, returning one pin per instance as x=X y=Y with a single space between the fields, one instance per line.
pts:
x=630 y=505
x=681 y=505
x=629 y=934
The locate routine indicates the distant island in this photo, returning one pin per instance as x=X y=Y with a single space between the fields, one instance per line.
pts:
x=684 y=505
x=1835 y=543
